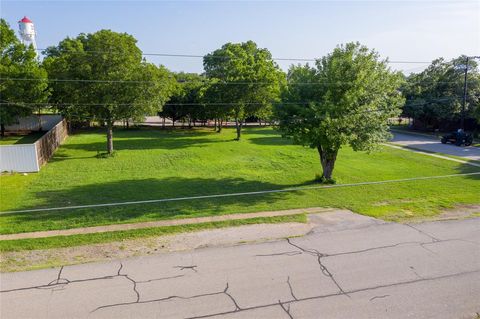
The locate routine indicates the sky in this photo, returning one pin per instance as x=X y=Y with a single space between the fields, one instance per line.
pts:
x=400 y=30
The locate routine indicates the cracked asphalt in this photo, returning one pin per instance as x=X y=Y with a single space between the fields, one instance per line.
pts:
x=348 y=266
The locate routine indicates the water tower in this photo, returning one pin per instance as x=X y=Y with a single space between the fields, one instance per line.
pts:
x=27 y=32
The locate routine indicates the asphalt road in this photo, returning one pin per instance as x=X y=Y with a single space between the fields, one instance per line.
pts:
x=349 y=266
x=432 y=144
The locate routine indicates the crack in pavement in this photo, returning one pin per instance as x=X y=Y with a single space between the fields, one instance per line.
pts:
x=434 y=239
x=287 y=253
x=415 y=272
x=287 y=310
x=134 y=286
x=120 y=269
x=379 y=297
x=323 y=268
x=159 y=279
x=237 y=307
x=340 y=294
x=62 y=282
x=58 y=280
x=291 y=289
x=187 y=267
x=376 y=248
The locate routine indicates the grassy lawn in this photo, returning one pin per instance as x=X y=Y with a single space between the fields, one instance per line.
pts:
x=21 y=139
x=152 y=164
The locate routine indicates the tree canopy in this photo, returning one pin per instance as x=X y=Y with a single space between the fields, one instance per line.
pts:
x=19 y=97
x=345 y=99
x=186 y=100
x=436 y=94
x=245 y=77
x=108 y=79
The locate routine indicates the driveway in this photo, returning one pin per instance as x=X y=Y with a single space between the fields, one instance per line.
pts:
x=432 y=144
x=348 y=266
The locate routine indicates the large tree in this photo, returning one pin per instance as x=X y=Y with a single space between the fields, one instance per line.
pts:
x=247 y=79
x=436 y=94
x=345 y=99
x=23 y=81
x=102 y=77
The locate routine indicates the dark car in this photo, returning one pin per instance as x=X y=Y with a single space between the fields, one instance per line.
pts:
x=458 y=138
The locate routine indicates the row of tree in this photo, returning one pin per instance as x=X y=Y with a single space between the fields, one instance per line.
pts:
x=346 y=97
x=435 y=96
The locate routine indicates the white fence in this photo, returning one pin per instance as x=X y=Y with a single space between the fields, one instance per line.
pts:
x=19 y=158
x=30 y=157
x=44 y=122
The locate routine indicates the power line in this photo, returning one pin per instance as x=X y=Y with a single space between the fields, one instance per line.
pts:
x=223 y=57
x=290 y=189
x=5 y=102
x=201 y=82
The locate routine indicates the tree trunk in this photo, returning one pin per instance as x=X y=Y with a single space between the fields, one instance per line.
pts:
x=2 y=129
x=128 y=123
x=238 y=126
x=110 y=137
x=327 y=159
x=163 y=123
x=220 y=125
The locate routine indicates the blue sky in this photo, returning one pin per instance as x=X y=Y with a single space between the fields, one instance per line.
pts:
x=400 y=30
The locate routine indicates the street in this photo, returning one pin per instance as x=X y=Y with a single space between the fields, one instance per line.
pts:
x=432 y=144
x=348 y=266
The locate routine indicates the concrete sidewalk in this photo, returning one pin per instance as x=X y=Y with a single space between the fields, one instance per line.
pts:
x=348 y=266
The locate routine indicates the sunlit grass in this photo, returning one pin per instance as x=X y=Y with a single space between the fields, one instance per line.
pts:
x=153 y=164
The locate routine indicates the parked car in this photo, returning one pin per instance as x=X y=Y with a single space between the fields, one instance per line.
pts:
x=458 y=138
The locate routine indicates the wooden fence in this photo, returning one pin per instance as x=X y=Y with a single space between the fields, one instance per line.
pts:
x=48 y=143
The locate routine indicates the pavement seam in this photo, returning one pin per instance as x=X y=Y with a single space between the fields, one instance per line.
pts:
x=340 y=294
x=311 y=252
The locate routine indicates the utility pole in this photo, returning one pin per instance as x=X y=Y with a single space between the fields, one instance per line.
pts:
x=462 y=120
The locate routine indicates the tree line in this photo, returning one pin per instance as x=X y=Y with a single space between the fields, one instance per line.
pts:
x=344 y=98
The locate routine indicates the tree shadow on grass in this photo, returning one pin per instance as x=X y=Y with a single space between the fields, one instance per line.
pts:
x=467 y=169
x=139 y=190
x=267 y=137
x=139 y=139
x=261 y=131
x=273 y=140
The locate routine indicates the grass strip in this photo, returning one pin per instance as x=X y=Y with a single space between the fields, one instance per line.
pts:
x=107 y=237
x=467 y=160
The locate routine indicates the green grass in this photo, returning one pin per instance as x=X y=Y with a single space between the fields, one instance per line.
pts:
x=21 y=139
x=114 y=236
x=152 y=164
